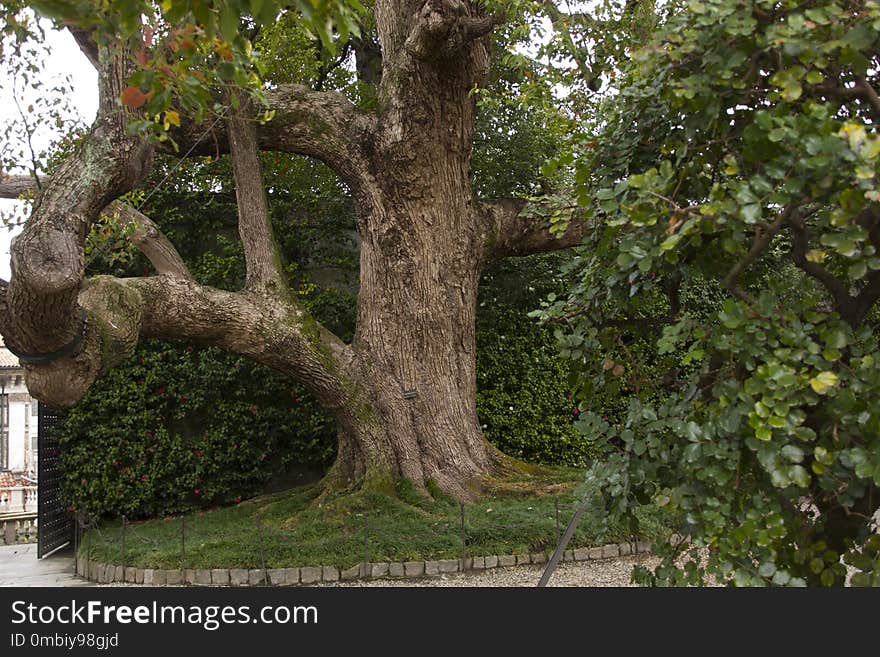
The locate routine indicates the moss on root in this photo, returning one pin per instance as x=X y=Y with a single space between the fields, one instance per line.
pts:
x=114 y=310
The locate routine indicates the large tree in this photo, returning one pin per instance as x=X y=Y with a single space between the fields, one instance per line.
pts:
x=403 y=391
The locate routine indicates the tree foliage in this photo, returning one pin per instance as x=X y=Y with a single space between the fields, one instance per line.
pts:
x=740 y=152
x=191 y=53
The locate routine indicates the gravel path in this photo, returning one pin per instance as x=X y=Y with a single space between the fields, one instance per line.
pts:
x=602 y=572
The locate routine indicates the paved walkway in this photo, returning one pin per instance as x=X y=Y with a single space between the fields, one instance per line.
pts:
x=19 y=566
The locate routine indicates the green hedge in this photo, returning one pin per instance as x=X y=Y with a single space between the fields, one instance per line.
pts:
x=177 y=428
x=523 y=397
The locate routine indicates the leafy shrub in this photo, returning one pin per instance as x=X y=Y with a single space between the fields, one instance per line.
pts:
x=177 y=428
x=523 y=399
x=740 y=163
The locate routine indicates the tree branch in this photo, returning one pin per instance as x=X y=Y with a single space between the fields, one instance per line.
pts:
x=869 y=94
x=835 y=287
x=321 y=124
x=870 y=294
x=121 y=310
x=511 y=230
x=17 y=187
x=146 y=236
x=763 y=236
x=260 y=250
x=86 y=43
x=47 y=257
x=281 y=335
x=866 y=299
x=862 y=89
x=152 y=242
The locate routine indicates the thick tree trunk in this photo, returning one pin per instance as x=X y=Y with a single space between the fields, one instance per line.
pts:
x=422 y=250
x=415 y=344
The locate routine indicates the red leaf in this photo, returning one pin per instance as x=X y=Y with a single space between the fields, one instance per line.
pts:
x=141 y=57
x=133 y=97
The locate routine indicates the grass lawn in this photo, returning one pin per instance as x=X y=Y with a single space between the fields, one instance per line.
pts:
x=295 y=531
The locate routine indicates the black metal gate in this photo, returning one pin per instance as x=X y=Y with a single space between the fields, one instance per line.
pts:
x=54 y=522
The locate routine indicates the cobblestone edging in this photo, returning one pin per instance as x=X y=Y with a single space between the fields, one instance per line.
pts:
x=103 y=573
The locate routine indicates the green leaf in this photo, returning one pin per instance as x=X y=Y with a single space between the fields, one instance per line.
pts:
x=781 y=577
x=800 y=476
x=793 y=453
x=761 y=410
x=751 y=213
x=670 y=242
x=228 y=22
x=857 y=270
x=835 y=339
x=823 y=382
x=814 y=77
x=767 y=569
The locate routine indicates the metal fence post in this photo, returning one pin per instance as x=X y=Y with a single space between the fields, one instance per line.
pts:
x=556 y=503
x=262 y=551
x=88 y=545
x=123 y=548
x=366 y=544
x=463 y=539
x=183 y=548
x=76 y=543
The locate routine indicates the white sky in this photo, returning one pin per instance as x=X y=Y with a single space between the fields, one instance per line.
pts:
x=65 y=58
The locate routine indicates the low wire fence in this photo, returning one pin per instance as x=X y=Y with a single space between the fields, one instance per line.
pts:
x=183 y=543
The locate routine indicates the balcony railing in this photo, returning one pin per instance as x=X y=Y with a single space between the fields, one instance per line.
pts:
x=18 y=499
x=18 y=528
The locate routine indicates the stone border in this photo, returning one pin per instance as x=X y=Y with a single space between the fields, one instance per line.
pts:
x=103 y=573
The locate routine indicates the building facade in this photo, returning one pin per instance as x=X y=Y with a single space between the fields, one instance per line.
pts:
x=18 y=438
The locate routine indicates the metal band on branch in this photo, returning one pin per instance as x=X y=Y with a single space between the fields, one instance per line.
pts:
x=43 y=359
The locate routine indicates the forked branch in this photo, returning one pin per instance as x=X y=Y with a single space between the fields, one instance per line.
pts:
x=321 y=124
x=444 y=27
